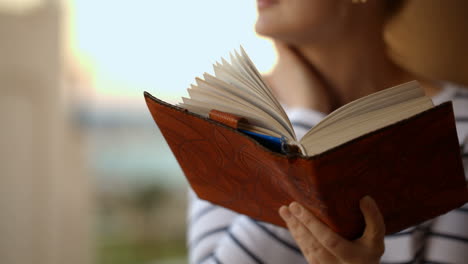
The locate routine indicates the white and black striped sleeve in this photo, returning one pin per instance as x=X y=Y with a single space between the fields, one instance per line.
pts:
x=448 y=238
x=219 y=235
x=447 y=241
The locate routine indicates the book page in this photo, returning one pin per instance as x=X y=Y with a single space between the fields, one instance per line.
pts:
x=241 y=86
x=208 y=101
x=238 y=88
x=352 y=127
x=372 y=102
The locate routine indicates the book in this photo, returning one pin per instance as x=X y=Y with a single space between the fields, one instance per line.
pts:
x=237 y=148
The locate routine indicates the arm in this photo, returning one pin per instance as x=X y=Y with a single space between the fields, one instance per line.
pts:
x=442 y=240
x=218 y=235
x=447 y=236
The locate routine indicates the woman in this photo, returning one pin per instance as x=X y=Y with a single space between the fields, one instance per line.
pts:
x=330 y=53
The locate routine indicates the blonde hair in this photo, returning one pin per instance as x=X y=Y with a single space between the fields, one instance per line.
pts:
x=429 y=38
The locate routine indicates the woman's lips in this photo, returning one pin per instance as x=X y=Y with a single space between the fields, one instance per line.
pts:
x=262 y=4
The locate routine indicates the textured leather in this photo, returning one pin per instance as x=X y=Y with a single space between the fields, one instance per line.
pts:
x=412 y=169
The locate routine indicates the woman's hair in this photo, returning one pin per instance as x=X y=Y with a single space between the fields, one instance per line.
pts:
x=432 y=29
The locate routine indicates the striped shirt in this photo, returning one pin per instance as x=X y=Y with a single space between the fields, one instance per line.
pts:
x=219 y=235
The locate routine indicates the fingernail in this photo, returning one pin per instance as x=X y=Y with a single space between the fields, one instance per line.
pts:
x=284 y=212
x=295 y=208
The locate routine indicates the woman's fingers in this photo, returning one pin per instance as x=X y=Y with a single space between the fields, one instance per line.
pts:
x=334 y=243
x=312 y=249
x=322 y=245
x=375 y=227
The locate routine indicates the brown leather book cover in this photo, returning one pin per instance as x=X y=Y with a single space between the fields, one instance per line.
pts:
x=413 y=170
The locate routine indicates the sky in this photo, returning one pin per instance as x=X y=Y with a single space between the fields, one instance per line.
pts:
x=131 y=46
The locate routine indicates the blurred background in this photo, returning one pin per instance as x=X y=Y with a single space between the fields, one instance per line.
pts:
x=85 y=175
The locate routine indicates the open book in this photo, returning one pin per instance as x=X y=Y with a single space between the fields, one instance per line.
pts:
x=236 y=147
x=238 y=88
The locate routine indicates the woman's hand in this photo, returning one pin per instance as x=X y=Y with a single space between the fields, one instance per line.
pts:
x=320 y=244
x=296 y=83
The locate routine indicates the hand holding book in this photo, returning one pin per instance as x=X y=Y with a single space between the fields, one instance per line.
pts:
x=319 y=244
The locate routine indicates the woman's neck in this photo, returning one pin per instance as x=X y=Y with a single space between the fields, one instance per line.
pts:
x=353 y=61
x=354 y=68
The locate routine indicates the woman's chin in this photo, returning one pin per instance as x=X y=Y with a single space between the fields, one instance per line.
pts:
x=274 y=32
x=265 y=28
x=261 y=30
